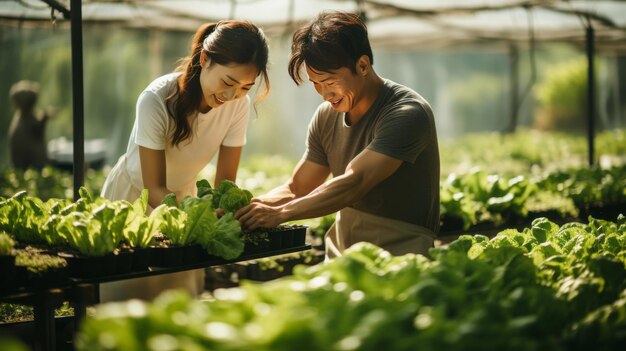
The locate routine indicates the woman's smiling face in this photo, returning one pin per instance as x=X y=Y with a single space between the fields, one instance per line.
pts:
x=222 y=83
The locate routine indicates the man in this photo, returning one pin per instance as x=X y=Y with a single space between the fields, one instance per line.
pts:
x=376 y=137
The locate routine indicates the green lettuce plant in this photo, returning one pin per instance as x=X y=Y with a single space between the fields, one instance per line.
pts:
x=229 y=197
x=194 y=221
x=23 y=217
x=138 y=229
x=6 y=244
x=85 y=235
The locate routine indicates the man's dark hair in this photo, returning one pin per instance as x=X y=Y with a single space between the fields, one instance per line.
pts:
x=332 y=41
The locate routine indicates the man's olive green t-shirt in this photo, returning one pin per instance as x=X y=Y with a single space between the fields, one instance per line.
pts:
x=400 y=124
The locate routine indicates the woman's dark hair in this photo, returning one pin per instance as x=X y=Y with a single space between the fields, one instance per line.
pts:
x=224 y=42
x=332 y=41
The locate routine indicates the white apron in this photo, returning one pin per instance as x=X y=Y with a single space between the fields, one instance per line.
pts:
x=398 y=237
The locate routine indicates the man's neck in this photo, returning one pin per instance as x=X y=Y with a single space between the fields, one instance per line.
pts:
x=371 y=89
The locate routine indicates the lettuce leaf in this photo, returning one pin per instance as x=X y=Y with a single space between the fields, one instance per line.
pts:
x=223 y=238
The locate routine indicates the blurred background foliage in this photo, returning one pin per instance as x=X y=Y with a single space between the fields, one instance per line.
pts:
x=562 y=97
x=467 y=86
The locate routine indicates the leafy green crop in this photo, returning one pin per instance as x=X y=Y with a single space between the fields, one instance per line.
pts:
x=6 y=244
x=546 y=287
x=223 y=238
x=478 y=196
x=194 y=220
x=86 y=236
x=138 y=230
x=229 y=197
x=204 y=188
x=234 y=199
x=22 y=217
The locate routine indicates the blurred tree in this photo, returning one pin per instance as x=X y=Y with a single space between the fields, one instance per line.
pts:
x=562 y=97
x=479 y=102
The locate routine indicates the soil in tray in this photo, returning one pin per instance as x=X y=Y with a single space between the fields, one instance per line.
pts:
x=260 y=241
x=281 y=237
x=35 y=269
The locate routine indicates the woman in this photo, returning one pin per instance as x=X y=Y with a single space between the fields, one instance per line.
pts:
x=182 y=120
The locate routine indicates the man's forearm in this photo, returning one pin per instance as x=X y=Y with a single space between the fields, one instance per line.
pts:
x=328 y=198
x=278 y=196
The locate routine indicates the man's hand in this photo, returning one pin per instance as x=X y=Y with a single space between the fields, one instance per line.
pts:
x=259 y=215
x=219 y=212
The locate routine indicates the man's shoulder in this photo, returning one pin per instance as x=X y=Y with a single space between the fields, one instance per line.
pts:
x=401 y=93
x=324 y=118
x=402 y=99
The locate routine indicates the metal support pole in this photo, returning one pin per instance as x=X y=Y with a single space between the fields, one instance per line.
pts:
x=514 y=101
x=590 y=92
x=45 y=327
x=84 y=295
x=77 y=95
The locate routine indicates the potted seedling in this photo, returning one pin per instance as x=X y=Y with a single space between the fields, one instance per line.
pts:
x=255 y=241
x=23 y=216
x=139 y=231
x=91 y=245
x=169 y=242
x=194 y=222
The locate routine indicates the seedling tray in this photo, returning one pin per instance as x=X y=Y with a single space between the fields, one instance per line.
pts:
x=270 y=239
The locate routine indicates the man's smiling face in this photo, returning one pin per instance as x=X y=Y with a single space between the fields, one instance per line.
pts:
x=341 y=87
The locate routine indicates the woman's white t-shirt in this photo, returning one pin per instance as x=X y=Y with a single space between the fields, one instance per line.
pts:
x=225 y=125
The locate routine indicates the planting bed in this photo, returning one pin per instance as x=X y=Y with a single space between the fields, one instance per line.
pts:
x=78 y=285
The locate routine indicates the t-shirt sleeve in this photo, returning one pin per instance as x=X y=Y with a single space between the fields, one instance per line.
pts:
x=404 y=133
x=314 y=144
x=152 y=121
x=236 y=134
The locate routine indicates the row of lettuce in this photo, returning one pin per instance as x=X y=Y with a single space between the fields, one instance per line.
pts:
x=478 y=197
x=94 y=226
x=467 y=199
x=547 y=287
x=528 y=150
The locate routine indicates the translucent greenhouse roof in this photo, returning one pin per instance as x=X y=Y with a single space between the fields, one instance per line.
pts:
x=403 y=24
x=391 y=22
